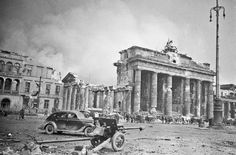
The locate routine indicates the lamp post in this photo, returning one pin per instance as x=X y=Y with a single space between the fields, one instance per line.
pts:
x=217 y=103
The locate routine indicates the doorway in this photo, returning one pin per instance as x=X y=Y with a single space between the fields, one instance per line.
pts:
x=5 y=104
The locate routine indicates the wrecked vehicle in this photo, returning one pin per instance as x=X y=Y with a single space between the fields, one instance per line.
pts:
x=106 y=131
x=67 y=121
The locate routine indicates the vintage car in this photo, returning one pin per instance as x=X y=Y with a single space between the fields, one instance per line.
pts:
x=67 y=121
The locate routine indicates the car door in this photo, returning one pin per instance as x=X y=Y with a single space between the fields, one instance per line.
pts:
x=73 y=122
x=61 y=120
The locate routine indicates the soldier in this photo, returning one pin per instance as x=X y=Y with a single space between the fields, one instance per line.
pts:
x=22 y=113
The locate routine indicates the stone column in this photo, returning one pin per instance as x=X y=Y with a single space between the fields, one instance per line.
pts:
x=163 y=94
x=232 y=110
x=111 y=100
x=123 y=107
x=128 y=101
x=12 y=86
x=169 y=96
x=98 y=98
x=101 y=101
x=3 y=85
x=181 y=95
x=19 y=85
x=86 y=96
x=69 y=98
x=210 y=101
x=187 y=97
x=81 y=98
x=64 y=98
x=137 y=90
x=226 y=110
x=116 y=100
x=77 y=98
x=204 y=104
x=223 y=110
x=91 y=98
x=105 y=101
x=198 y=99
x=73 y=97
x=154 y=92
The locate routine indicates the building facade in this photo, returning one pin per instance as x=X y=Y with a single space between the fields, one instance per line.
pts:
x=27 y=84
x=228 y=98
x=166 y=81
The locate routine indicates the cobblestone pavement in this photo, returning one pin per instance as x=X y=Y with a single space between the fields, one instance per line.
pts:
x=157 y=138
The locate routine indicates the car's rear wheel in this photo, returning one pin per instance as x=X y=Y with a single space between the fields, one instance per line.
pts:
x=49 y=129
x=88 y=130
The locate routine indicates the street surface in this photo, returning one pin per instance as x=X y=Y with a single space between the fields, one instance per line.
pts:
x=156 y=138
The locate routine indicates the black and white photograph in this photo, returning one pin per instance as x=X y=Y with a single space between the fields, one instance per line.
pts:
x=117 y=77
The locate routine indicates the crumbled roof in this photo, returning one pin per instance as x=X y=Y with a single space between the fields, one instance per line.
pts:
x=144 y=49
x=191 y=63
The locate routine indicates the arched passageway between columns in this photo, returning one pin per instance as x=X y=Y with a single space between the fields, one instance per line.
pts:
x=5 y=104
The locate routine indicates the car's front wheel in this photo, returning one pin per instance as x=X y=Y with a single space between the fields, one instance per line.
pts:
x=49 y=129
x=88 y=130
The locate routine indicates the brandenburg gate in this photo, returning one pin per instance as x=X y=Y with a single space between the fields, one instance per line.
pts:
x=166 y=81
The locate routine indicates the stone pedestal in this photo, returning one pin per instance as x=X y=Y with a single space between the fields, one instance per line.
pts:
x=217 y=112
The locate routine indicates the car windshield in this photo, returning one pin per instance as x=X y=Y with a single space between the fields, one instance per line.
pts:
x=80 y=114
x=72 y=115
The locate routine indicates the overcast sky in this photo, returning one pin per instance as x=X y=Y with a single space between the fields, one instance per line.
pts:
x=85 y=36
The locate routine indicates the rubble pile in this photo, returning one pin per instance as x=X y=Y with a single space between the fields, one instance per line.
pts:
x=32 y=148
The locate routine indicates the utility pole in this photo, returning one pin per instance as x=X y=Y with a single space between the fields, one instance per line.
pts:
x=217 y=103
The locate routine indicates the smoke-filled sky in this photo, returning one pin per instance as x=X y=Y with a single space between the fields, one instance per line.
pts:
x=85 y=36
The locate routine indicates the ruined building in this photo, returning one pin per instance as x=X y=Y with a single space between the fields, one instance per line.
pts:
x=228 y=98
x=165 y=81
x=20 y=80
x=81 y=95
